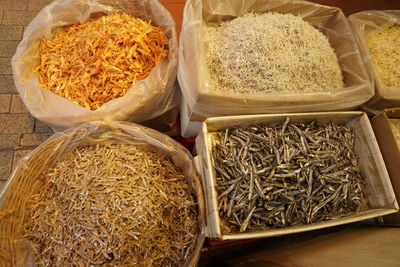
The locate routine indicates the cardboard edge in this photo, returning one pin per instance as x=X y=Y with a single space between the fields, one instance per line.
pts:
x=378 y=158
x=259 y=118
x=310 y=227
x=391 y=156
x=212 y=213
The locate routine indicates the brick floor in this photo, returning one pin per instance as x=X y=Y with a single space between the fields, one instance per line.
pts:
x=10 y=32
x=17 y=106
x=7 y=84
x=41 y=127
x=37 y=4
x=5 y=100
x=18 y=17
x=16 y=123
x=13 y=4
x=5 y=65
x=6 y=157
x=7 y=48
x=9 y=140
x=33 y=139
x=20 y=133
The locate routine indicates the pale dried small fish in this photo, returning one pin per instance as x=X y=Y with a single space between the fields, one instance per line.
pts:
x=112 y=205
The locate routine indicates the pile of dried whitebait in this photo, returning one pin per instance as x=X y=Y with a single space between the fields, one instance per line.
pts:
x=270 y=53
x=112 y=205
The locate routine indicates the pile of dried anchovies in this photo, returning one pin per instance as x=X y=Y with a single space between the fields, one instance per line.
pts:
x=273 y=176
x=112 y=205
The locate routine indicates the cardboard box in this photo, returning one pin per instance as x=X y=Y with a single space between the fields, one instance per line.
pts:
x=390 y=149
x=189 y=127
x=380 y=195
x=205 y=101
x=363 y=24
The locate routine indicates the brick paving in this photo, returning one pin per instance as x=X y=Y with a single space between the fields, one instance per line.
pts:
x=20 y=133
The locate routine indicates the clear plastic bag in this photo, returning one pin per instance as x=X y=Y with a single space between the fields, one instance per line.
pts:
x=27 y=180
x=366 y=22
x=204 y=101
x=145 y=100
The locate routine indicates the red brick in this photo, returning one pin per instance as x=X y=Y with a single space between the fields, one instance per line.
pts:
x=10 y=32
x=17 y=106
x=16 y=123
x=7 y=48
x=18 y=17
x=7 y=85
x=13 y=4
x=5 y=100
x=5 y=65
x=34 y=139
x=9 y=140
x=18 y=155
x=6 y=158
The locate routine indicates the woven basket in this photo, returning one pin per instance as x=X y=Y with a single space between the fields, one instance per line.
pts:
x=27 y=180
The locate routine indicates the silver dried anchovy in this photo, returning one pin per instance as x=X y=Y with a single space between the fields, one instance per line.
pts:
x=274 y=176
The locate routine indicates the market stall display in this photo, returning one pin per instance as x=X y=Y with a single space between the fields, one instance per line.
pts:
x=267 y=86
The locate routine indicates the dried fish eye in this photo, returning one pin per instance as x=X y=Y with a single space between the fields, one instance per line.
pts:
x=296 y=177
